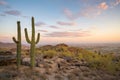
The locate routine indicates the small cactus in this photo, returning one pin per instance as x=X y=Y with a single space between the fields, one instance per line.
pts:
x=32 y=43
x=18 y=43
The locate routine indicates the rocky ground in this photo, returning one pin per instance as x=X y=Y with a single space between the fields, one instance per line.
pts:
x=55 y=68
x=60 y=62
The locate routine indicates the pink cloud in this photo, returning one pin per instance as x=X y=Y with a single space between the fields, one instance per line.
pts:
x=115 y=3
x=3 y=3
x=68 y=34
x=40 y=24
x=55 y=27
x=43 y=30
x=89 y=11
x=68 y=13
x=103 y=6
x=67 y=23
x=13 y=12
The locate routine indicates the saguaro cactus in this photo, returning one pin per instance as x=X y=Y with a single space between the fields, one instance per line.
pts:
x=18 y=43
x=32 y=43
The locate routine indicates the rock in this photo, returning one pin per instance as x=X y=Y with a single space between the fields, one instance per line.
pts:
x=6 y=53
x=68 y=59
x=40 y=65
x=58 y=60
x=72 y=77
x=58 y=77
x=7 y=59
x=84 y=69
x=77 y=64
x=47 y=61
x=26 y=61
x=72 y=67
x=53 y=67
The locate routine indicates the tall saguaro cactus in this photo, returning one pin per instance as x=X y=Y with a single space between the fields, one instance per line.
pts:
x=18 y=43
x=32 y=43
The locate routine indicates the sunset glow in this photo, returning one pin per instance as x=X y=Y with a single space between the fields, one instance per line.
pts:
x=62 y=21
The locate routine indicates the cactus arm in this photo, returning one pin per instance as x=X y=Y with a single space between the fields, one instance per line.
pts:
x=38 y=38
x=15 y=40
x=26 y=35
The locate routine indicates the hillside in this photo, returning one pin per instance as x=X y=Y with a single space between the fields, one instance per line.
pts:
x=63 y=62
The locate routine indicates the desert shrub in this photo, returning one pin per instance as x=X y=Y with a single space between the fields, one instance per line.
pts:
x=104 y=62
x=38 y=51
x=49 y=53
x=61 y=49
x=66 y=54
x=89 y=56
x=79 y=56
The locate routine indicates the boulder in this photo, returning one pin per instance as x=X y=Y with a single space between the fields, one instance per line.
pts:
x=26 y=61
x=7 y=59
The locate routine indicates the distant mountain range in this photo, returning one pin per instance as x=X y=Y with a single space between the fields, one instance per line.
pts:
x=10 y=45
x=7 y=45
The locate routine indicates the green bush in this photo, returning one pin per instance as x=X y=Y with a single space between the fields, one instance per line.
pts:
x=49 y=53
x=66 y=54
x=79 y=56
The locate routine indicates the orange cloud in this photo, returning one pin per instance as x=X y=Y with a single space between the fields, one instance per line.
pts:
x=103 y=6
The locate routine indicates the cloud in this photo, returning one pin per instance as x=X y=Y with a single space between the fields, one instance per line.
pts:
x=43 y=30
x=115 y=3
x=13 y=12
x=10 y=11
x=67 y=23
x=55 y=27
x=89 y=11
x=3 y=3
x=103 y=6
x=40 y=24
x=93 y=11
x=68 y=13
x=68 y=34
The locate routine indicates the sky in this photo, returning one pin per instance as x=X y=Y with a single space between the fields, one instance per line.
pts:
x=62 y=21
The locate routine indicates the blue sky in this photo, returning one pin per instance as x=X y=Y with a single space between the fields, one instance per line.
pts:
x=68 y=21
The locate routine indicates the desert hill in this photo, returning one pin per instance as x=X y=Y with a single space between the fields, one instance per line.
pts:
x=63 y=62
